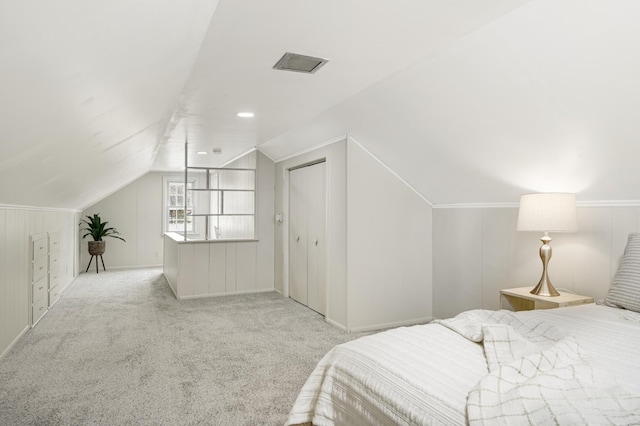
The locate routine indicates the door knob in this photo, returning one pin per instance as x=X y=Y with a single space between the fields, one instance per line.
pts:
x=316 y=241
x=298 y=238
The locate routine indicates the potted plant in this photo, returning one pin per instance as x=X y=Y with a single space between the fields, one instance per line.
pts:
x=98 y=230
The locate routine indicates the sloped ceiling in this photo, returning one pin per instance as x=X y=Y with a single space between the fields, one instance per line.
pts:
x=470 y=102
x=86 y=91
x=544 y=99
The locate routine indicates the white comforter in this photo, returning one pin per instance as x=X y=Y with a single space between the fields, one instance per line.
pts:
x=539 y=375
x=424 y=374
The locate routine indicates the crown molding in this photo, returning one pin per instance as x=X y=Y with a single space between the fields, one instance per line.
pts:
x=35 y=208
x=513 y=205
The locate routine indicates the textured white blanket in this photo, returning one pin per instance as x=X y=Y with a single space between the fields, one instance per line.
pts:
x=417 y=375
x=538 y=376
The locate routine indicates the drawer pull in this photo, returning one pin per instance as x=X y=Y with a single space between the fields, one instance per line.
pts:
x=40 y=288
x=42 y=267
x=41 y=308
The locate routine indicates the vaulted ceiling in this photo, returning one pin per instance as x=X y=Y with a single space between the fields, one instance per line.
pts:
x=469 y=102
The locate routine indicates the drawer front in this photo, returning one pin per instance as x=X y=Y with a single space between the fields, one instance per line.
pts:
x=39 y=290
x=54 y=242
x=54 y=295
x=54 y=276
x=39 y=248
x=54 y=270
x=38 y=310
x=39 y=268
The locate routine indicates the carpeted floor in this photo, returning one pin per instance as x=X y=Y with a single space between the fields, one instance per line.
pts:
x=119 y=349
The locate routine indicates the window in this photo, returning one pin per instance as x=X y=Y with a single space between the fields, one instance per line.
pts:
x=232 y=203
x=174 y=196
x=221 y=208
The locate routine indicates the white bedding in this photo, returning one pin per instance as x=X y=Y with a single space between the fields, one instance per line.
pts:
x=423 y=374
x=609 y=336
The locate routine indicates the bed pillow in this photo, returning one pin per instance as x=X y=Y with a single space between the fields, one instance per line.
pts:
x=625 y=289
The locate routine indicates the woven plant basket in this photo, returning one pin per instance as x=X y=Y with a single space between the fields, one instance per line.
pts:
x=96 y=248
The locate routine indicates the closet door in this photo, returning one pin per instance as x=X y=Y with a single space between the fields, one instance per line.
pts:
x=307 y=206
x=298 y=235
x=316 y=211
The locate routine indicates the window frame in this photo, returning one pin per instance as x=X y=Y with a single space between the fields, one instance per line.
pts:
x=177 y=179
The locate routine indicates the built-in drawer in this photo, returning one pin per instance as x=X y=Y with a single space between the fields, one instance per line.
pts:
x=54 y=242
x=54 y=275
x=39 y=248
x=39 y=290
x=54 y=295
x=39 y=268
x=38 y=310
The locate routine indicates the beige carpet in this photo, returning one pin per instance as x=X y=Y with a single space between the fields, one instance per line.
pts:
x=118 y=349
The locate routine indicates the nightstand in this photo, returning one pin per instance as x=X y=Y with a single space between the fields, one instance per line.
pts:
x=520 y=299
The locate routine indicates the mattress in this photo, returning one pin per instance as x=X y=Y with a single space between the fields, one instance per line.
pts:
x=422 y=375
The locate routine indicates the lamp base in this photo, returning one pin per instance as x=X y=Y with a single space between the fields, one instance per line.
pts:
x=544 y=287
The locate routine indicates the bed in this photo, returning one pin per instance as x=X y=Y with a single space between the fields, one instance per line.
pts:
x=576 y=365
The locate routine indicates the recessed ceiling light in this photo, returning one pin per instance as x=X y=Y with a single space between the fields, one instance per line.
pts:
x=202 y=152
x=245 y=114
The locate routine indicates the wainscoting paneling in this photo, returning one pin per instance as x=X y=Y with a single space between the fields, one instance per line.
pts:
x=16 y=224
x=212 y=268
x=200 y=269
x=231 y=267
x=217 y=268
x=246 y=266
x=136 y=212
x=477 y=252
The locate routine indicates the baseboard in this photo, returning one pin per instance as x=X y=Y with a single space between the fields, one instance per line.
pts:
x=170 y=286
x=122 y=268
x=66 y=286
x=335 y=324
x=279 y=292
x=230 y=293
x=12 y=344
x=383 y=326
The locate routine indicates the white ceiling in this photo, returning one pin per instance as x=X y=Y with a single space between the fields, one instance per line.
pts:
x=365 y=41
x=469 y=102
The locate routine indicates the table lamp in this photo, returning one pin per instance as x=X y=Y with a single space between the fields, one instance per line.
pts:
x=550 y=212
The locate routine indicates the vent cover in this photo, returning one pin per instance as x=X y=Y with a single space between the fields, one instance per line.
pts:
x=299 y=63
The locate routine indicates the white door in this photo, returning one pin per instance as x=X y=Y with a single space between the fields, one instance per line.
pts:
x=307 y=209
x=298 y=235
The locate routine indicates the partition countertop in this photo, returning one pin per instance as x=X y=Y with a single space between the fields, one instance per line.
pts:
x=178 y=238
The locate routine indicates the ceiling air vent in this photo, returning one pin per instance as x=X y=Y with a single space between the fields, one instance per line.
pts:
x=299 y=63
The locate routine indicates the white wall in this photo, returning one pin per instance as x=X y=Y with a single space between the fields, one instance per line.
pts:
x=374 y=279
x=389 y=246
x=265 y=222
x=336 y=261
x=136 y=212
x=16 y=224
x=477 y=252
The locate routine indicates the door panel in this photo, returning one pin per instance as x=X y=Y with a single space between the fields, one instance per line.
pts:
x=316 y=285
x=298 y=235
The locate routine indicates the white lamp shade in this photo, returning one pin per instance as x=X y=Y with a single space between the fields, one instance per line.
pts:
x=552 y=212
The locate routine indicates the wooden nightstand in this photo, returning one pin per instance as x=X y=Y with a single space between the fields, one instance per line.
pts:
x=520 y=299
